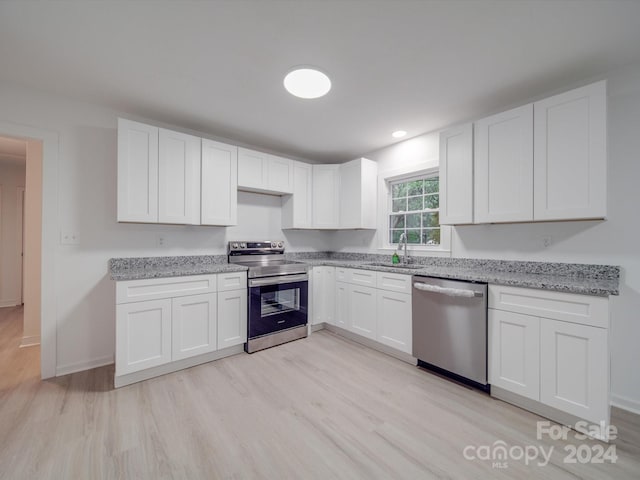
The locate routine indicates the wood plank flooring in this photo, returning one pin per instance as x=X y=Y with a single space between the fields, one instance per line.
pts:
x=318 y=408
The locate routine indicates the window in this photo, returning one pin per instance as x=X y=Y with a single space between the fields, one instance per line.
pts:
x=414 y=210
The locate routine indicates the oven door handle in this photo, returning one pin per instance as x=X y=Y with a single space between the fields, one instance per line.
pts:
x=261 y=282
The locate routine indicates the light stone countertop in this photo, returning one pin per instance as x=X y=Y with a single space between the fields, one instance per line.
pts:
x=587 y=279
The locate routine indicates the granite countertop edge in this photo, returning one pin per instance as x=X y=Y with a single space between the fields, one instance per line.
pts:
x=560 y=283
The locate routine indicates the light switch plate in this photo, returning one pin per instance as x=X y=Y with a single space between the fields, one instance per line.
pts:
x=68 y=237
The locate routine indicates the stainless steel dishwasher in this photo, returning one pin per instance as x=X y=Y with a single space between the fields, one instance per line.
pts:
x=450 y=328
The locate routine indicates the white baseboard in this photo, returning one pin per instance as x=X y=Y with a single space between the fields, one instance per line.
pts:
x=30 y=341
x=625 y=403
x=10 y=303
x=81 y=366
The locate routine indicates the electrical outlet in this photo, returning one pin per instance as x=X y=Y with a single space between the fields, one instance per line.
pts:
x=161 y=241
x=69 y=238
x=547 y=240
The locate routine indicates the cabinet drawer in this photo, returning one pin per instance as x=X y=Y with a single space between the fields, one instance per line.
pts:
x=155 y=288
x=232 y=281
x=361 y=277
x=395 y=282
x=341 y=274
x=569 y=307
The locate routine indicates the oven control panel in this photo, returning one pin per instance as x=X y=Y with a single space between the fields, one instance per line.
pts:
x=247 y=248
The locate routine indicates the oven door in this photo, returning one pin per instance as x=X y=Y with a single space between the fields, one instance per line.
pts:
x=277 y=303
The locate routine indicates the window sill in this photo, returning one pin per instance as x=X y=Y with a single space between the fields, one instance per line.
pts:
x=419 y=252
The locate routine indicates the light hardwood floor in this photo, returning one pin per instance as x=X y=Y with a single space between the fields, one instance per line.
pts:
x=318 y=408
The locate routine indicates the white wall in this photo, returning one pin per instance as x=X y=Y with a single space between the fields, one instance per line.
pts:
x=85 y=315
x=12 y=177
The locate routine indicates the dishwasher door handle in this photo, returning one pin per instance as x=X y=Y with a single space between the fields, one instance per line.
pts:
x=450 y=292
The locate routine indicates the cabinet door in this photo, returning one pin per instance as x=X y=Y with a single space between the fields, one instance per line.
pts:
x=296 y=208
x=394 y=320
x=350 y=194
x=193 y=325
x=219 y=184
x=574 y=369
x=503 y=167
x=326 y=191
x=279 y=174
x=514 y=353
x=342 y=312
x=252 y=169
x=137 y=172
x=329 y=294
x=179 y=178
x=362 y=310
x=317 y=296
x=232 y=318
x=570 y=159
x=143 y=335
x=456 y=176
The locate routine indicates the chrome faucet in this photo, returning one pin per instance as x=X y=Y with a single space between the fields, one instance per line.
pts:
x=403 y=238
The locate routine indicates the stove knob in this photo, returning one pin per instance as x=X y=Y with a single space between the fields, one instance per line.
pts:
x=280 y=244
x=243 y=245
x=273 y=244
x=234 y=246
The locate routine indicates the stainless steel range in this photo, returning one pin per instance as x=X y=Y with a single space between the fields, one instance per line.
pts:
x=278 y=294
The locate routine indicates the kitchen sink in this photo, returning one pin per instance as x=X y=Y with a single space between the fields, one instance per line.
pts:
x=396 y=265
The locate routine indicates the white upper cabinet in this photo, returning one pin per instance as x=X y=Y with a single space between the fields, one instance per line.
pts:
x=219 y=184
x=178 y=178
x=171 y=177
x=358 y=194
x=296 y=208
x=264 y=173
x=503 y=167
x=570 y=145
x=326 y=192
x=137 y=172
x=456 y=175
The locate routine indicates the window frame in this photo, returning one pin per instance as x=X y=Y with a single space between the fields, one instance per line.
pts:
x=385 y=180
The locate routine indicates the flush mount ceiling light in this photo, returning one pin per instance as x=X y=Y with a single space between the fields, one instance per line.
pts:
x=307 y=82
x=398 y=134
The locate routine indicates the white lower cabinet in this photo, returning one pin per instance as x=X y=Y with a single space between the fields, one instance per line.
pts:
x=322 y=295
x=232 y=318
x=362 y=310
x=394 y=320
x=342 y=317
x=574 y=362
x=375 y=305
x=551 y=347
x=193 y=325
x=165 y=320
x=143 y=335
x=514 y=355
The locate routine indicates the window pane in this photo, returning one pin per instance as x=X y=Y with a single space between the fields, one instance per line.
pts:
x=399 y=190
x=415 y=187
x=432 y=185
x=431 y=219
x=399 y=205
x=394 y=236
x=396 y=221
x=415 y=203
x=431 y=201
x=413 y=220
x=431 y=236
x=413 y=236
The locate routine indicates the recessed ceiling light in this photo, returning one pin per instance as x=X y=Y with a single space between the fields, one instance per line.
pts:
x=398 y=134
x=307 y=82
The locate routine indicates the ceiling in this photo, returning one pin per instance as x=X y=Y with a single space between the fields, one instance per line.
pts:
x=13 y=151
x=218 y=66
